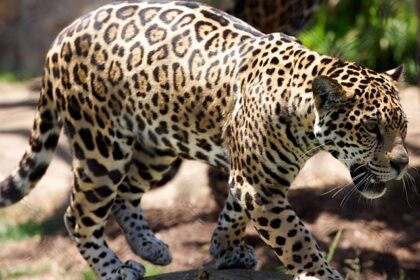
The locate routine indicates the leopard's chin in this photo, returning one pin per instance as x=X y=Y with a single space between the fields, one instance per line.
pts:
x=373 y=191
x=366 y=182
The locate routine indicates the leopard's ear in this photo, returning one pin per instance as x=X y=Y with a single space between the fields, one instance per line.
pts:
x=396 y=73
x=327 y=93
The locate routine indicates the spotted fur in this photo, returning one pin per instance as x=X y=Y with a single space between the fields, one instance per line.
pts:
x=138 y=85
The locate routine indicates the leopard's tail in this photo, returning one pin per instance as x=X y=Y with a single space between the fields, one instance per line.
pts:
x=42 y=143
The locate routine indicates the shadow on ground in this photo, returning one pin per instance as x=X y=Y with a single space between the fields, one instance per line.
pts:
x=380 y=238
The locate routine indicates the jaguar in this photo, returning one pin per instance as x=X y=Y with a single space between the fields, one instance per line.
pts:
x=138 y=85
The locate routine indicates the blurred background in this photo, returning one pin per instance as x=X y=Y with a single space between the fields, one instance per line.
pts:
x=380 y=34
x=374 y=239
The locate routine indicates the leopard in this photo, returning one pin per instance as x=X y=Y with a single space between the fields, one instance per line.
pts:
x=137 y=85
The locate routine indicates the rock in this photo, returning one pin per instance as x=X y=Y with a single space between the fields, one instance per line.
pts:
x=228 y=274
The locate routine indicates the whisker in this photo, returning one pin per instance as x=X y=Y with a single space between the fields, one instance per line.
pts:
x=405 y=190
x=417 y=170
x=358 y=176
x=365 y=184
x=302 y=156
x=337 y=189
x=333 y=189
x=348 y=195
x=346 y=198
x=413 y=183
x=337 y=192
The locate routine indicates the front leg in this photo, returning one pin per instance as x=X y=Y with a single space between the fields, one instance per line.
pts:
x=227 y=244
x=280 y=228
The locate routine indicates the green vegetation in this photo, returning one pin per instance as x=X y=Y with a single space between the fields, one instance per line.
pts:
x=28 y=229
x=152 y=270
x=20 y=231
x=88 y=274
x=279 y=269
x=11 y=76
x=8 y=76
x=19 y=272
x=402 y=274
x=378 y=34
x=354 y=265
x=334 y=246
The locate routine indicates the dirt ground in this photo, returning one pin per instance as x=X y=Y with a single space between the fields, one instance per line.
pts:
x=380 y=239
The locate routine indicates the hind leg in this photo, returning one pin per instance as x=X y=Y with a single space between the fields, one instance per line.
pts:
x=147 y=169
x=96 y=179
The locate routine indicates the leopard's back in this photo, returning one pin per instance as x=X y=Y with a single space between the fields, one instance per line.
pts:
x=160 y=72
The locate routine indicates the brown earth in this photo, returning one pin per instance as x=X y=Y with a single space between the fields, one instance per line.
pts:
x=380 y=239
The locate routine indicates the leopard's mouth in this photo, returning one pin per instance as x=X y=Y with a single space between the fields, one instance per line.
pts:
x=366 y=182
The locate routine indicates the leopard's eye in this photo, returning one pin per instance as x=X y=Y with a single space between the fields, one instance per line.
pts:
x=372 y=127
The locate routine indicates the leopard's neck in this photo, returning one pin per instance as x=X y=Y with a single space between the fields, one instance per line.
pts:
x=280 y=87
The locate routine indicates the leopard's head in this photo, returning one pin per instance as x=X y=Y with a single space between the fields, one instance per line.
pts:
x=360 y=121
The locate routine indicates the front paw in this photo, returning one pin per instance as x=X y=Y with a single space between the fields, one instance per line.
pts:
x=130 y=270
x=155 y=251
x=147 y=246
x=242 y=256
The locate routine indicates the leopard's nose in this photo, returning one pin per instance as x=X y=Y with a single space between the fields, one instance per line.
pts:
x=399 y=163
